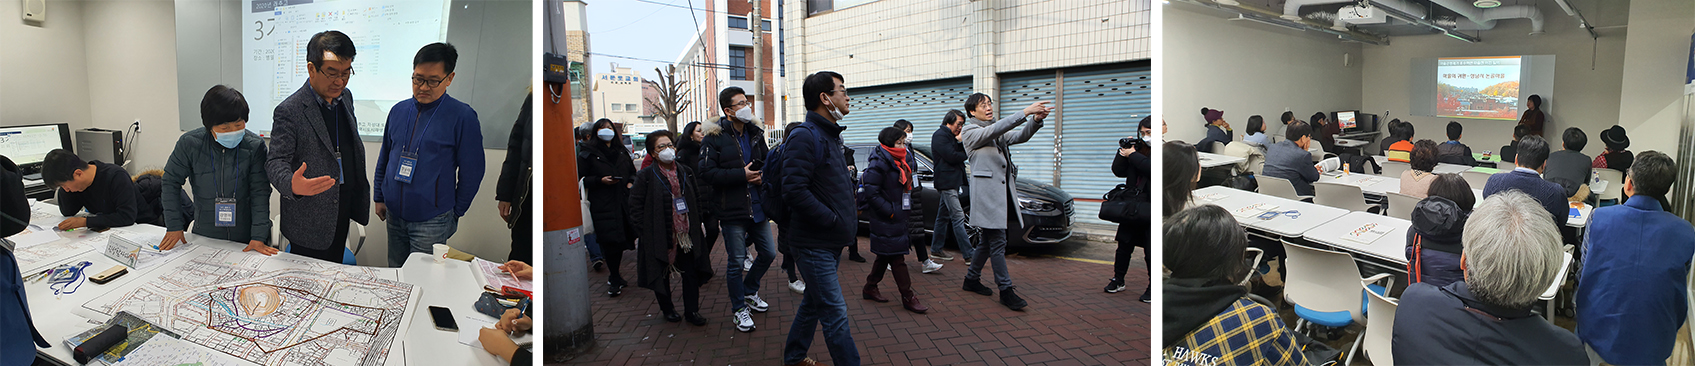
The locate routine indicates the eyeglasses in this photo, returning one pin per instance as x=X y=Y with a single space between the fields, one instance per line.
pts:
x=418 y=81
x=343 y=76
x=741 y=104
x=664 y=146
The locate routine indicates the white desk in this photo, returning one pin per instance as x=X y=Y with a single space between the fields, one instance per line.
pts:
x=1441 y=168
x=1231 y=199
x=1210 y=160
x=1350 y=143
x=1377 y=185
x=1391 y=247
x=451 y=285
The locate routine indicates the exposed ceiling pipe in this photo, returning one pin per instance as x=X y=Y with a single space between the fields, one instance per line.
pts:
x=1516 y=12
x=1581 y=23
x=1335 y=20
x=1416 y=15
x=1272 y=17
x=1416 y=12
x=1291 y=9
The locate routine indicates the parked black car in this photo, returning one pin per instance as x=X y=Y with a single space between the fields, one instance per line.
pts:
x=1047 y=210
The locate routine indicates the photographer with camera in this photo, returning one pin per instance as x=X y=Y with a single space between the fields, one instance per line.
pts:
x=1132 y=164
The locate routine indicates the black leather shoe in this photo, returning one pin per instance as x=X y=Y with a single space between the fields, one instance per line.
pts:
x=695 y=318
x=977 y=287
x=1011 y=299
x=856 y=257
x=672 y=316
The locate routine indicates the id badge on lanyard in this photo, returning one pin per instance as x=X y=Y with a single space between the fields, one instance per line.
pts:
x=340 y=174
x=906 y=200
x=682 y=206
x=408 y=162
x=224 y=212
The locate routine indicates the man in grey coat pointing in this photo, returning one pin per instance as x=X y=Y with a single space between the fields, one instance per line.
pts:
x=993 y=177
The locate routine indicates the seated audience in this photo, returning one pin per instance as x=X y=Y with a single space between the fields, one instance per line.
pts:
x=1506 y=152
x=1512 y=255
x=1527 y=178
x=1289 y=159
x=1415 y=181
x=1631 y=297
x=1617 y=155
x=1570 y=163
x=1217 y=131
x=1433 y=243
x=1209 y=319
x=1454 y=152
x=1256 y=132
x=1324 y=131
x=1399 y=132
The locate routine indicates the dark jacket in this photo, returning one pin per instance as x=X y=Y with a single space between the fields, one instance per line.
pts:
x=299 y=137
x=1433 y=243
x=608 y=203
x=1286 y=160
x=880 y=199
x=1136 y=170
x=1549 y=194
x=150 y=205
x=948 y=155
x=1454 y=152
x=1199 y=316
x=722 y=165
x=1571 y=165
x=1449 y=326
x=199 y=161
x=688 y=154
x=1619 y=160
x=1508 y=153
x=651 y=206
x=15 y=320
x=448 y=142
x=1214 y=134
x=1631 y=297
x=818 y=190
x=1326 y=135
x=1388 y=141
x=111 y=200
x=514 y=185
x=13 y=203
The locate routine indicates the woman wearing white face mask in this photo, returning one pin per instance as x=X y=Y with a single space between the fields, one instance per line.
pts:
x=606 y=171
x=916 y=221
x=226 y=164
x=662 y=201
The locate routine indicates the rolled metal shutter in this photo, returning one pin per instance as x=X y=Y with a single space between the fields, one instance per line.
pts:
x=1035 y=158
x=1101 y=105
x=922 y=103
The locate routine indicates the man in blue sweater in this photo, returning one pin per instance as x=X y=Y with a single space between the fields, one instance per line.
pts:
x=1531 y=157
x=1631 y=295
x=431 y=162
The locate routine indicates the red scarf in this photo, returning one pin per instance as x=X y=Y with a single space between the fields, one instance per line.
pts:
x=900 y=162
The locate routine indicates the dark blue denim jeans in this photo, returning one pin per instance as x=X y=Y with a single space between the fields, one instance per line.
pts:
x=737 y=235
x=822 y=305
x=407 y=237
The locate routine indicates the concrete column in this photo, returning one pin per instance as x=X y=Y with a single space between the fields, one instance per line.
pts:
x=984 y=77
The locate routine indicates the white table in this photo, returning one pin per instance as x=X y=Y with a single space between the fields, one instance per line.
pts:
x=1311 y=215
x=1351 y=143
x=1441 y=168
x=1384 y=184
x=1210 y=160
x=450 y=285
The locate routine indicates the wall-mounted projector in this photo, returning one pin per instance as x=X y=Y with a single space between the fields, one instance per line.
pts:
x=1355 y=14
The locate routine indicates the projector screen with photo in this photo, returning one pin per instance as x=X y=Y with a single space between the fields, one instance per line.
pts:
x=1487 y=88
x=386 y=34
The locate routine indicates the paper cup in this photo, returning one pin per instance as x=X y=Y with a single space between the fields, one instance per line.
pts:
x=440 y=252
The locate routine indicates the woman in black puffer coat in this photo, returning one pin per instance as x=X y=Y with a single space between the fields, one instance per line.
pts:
x=886 y=199
x=916 y=221
x=607 y=171
x=688 y=154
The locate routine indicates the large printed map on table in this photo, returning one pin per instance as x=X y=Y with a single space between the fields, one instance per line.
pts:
x=273 y=311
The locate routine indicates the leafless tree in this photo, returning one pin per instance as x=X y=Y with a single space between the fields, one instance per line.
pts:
x=670 y=103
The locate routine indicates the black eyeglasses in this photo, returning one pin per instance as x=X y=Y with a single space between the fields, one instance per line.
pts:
x=418 y=81
x=343 y=76
x=664 y=146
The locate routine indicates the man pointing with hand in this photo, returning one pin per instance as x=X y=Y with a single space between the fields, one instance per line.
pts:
x=316 y=161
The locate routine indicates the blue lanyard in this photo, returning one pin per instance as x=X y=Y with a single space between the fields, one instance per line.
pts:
x=415 y=135
x=217 y=181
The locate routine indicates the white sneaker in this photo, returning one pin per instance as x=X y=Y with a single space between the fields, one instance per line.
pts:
x=798 y=286
x=930 y=266
x=743 y=320
x=747 y=266
x=755 y=303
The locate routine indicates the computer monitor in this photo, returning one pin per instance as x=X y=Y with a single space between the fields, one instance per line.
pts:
x=28 y=145
x=1348 y=120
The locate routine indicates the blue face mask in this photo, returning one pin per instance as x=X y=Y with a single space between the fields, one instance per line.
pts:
x=230 y=139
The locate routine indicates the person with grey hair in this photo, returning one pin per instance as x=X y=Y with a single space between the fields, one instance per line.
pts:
x=1512 y=254
x=1631 y=297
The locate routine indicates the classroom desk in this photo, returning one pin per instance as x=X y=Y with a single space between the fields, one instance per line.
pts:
x=1311 y=215
x=451 y=285
x=1374 y=187
x=1350 y=143
x=1210 y=160
x=1494 y=157
x=1441 y=168
x=1391 y=247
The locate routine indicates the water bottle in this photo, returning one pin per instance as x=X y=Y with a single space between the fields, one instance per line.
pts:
x=1594 y=177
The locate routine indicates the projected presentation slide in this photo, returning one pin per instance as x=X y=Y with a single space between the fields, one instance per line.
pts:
x=1478 y=87
x=387 y=33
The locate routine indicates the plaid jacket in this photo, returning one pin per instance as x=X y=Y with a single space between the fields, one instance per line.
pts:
x=1247 y=333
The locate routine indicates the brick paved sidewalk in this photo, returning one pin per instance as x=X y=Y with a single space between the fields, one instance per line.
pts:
x=1069 y=321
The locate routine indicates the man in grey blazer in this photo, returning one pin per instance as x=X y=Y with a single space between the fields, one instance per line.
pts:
x=993 y=179
x=314 y=135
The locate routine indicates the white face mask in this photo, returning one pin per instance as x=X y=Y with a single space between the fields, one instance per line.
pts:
x=667 y=155
x=746 y=115
x=836 y=113
x=606 y=134
x=909 y=139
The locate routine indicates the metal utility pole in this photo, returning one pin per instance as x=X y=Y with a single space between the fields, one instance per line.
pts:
x=758 y=20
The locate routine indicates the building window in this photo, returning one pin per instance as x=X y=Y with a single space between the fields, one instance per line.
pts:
x=738 y=63
x=738 y=22
x=765 y=25
x=615 y=106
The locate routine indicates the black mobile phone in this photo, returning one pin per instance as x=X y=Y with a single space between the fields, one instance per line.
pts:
x=757 y=165
x=443 y=318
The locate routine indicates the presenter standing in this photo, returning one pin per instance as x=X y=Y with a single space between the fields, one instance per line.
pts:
x=317 y=162
x=431 y=162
